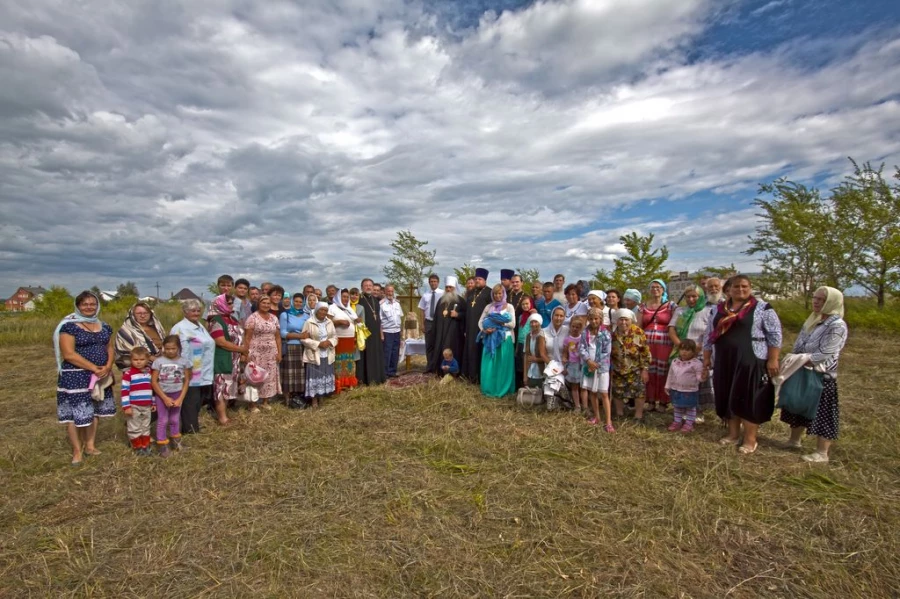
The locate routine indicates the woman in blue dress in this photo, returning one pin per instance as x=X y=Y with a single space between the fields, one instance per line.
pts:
x=85 y=347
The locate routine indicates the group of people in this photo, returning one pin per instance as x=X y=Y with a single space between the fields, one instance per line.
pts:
x=581 y=348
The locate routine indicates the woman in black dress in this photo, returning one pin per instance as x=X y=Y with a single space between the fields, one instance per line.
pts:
x=746 y=334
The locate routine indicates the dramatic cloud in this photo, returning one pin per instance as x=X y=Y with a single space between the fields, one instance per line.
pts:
x=290 y=141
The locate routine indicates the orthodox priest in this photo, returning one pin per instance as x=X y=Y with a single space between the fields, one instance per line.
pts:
x=476 y=301
x=370 y=367
x=449 y=325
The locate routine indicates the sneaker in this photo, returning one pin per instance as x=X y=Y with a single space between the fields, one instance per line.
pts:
x=816 y=457
x=688 y=427
x=164 y=451
x=675 y=426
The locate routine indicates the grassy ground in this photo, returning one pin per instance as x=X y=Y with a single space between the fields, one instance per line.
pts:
x=437 y=491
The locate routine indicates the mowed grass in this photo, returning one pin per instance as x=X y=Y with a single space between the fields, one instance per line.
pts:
x=438 y=491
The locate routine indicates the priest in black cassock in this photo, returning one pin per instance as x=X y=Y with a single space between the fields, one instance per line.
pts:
x=449 y=326
x=370 y=367
x=476 y=301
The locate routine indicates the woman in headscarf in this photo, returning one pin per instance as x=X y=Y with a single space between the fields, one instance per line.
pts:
x=555 y=335
x=631 y=299
x=535 y=353
x=346 y=354
x=654 y=316
x=691 y=322
x=263 y=340
x=597 y=299
x=84 y=347
x=747 y=336
x=630 y=359
x=497 y=361
x=293 y=371
x=140 y=329
x=526 y=306
x=198 y=347
x=228 y=335
x=822 y=337
x=319 y=354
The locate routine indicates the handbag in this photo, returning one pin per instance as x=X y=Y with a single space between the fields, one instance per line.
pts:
x=362 y=333
x=255 y=374
x=98 y=386
x=801 y=392
x=528 y=397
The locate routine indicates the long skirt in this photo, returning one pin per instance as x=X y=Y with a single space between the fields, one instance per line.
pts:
x=826 y=424
x=293 y=370
x=497 y=371
x=345 y=364
x=660 y=348
x=319 y=379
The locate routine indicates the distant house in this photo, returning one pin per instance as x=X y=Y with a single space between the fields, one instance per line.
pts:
x=23 y=299
x=149 y=299
x=186 y=294
x=679 y=283
x=108 y=296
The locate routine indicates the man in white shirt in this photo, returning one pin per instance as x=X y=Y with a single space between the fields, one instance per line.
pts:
x=391 y=321
x=559 y=286
x=428 y=304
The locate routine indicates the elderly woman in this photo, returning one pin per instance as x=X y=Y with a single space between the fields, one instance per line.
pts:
x=654 y=316
x=228 y=335
x=198 y=347
x=597 y=299
x=747 y=336
x=346 y=354
x=822 y=337
x=497 y=358
x=630 y=359
x=319 y=354
x=691 y=322
x=293 y=371
x=140 y=329
x=84 y=347
x=631 y=299
x=263 y=342
x=535 y=357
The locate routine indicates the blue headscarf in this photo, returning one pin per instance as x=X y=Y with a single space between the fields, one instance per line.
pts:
x=76 y=316
x=665 y=295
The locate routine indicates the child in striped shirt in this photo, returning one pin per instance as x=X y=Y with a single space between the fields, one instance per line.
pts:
x=137 y=401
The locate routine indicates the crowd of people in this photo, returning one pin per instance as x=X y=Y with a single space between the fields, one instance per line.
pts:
x=596 y=352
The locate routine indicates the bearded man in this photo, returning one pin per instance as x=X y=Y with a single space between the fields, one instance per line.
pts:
x=449 y=325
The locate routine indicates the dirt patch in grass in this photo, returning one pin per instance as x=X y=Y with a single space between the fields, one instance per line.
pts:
x=437 y=491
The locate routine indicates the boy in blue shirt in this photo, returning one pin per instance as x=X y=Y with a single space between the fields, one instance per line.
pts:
x=449 y=366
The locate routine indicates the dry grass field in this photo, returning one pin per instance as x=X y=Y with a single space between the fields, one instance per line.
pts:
x=438 y=491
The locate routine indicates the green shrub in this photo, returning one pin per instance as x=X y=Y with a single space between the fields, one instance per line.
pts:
x=859 y=312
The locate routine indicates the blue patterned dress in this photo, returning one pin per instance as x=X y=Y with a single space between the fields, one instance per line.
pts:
x=73 y=397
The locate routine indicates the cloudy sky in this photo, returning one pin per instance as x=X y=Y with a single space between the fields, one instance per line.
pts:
x=171 y=141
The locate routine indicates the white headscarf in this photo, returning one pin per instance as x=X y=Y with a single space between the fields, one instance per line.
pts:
x=554 y=337
x=834 y=304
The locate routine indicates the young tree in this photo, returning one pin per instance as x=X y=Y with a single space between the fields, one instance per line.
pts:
x=867 y=216
x=56 y=302
x=529 y=276
x=411 y=261
x=464 y=273
x=129 y=288
x=720 y=272
x=792 y=237
x=640 y=265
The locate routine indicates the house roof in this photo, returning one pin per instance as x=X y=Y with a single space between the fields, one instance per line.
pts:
x=186 y=294
x=35 y=290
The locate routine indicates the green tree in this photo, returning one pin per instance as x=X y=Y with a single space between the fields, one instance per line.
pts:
x=464 y=273
x=127 y=289
x=641 y=264
x=411 y=261
x=529 y=276
x=792 y=239
x=720 y=272
x=867 y=218
x=57 y=302
x=213 y=288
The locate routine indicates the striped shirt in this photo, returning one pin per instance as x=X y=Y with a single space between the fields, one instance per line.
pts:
x=136 y=388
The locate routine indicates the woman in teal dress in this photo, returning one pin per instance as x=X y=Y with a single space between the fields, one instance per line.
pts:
x=497 y=323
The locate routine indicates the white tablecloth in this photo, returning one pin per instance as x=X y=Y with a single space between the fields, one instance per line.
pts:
x=414 y=347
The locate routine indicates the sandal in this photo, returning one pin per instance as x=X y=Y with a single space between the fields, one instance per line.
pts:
x=609 y=428
x=92 y=452
x=747 y=450
x=593 y=422
x=729 y=441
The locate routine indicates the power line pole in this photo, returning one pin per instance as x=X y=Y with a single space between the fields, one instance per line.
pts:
x=157 y=290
